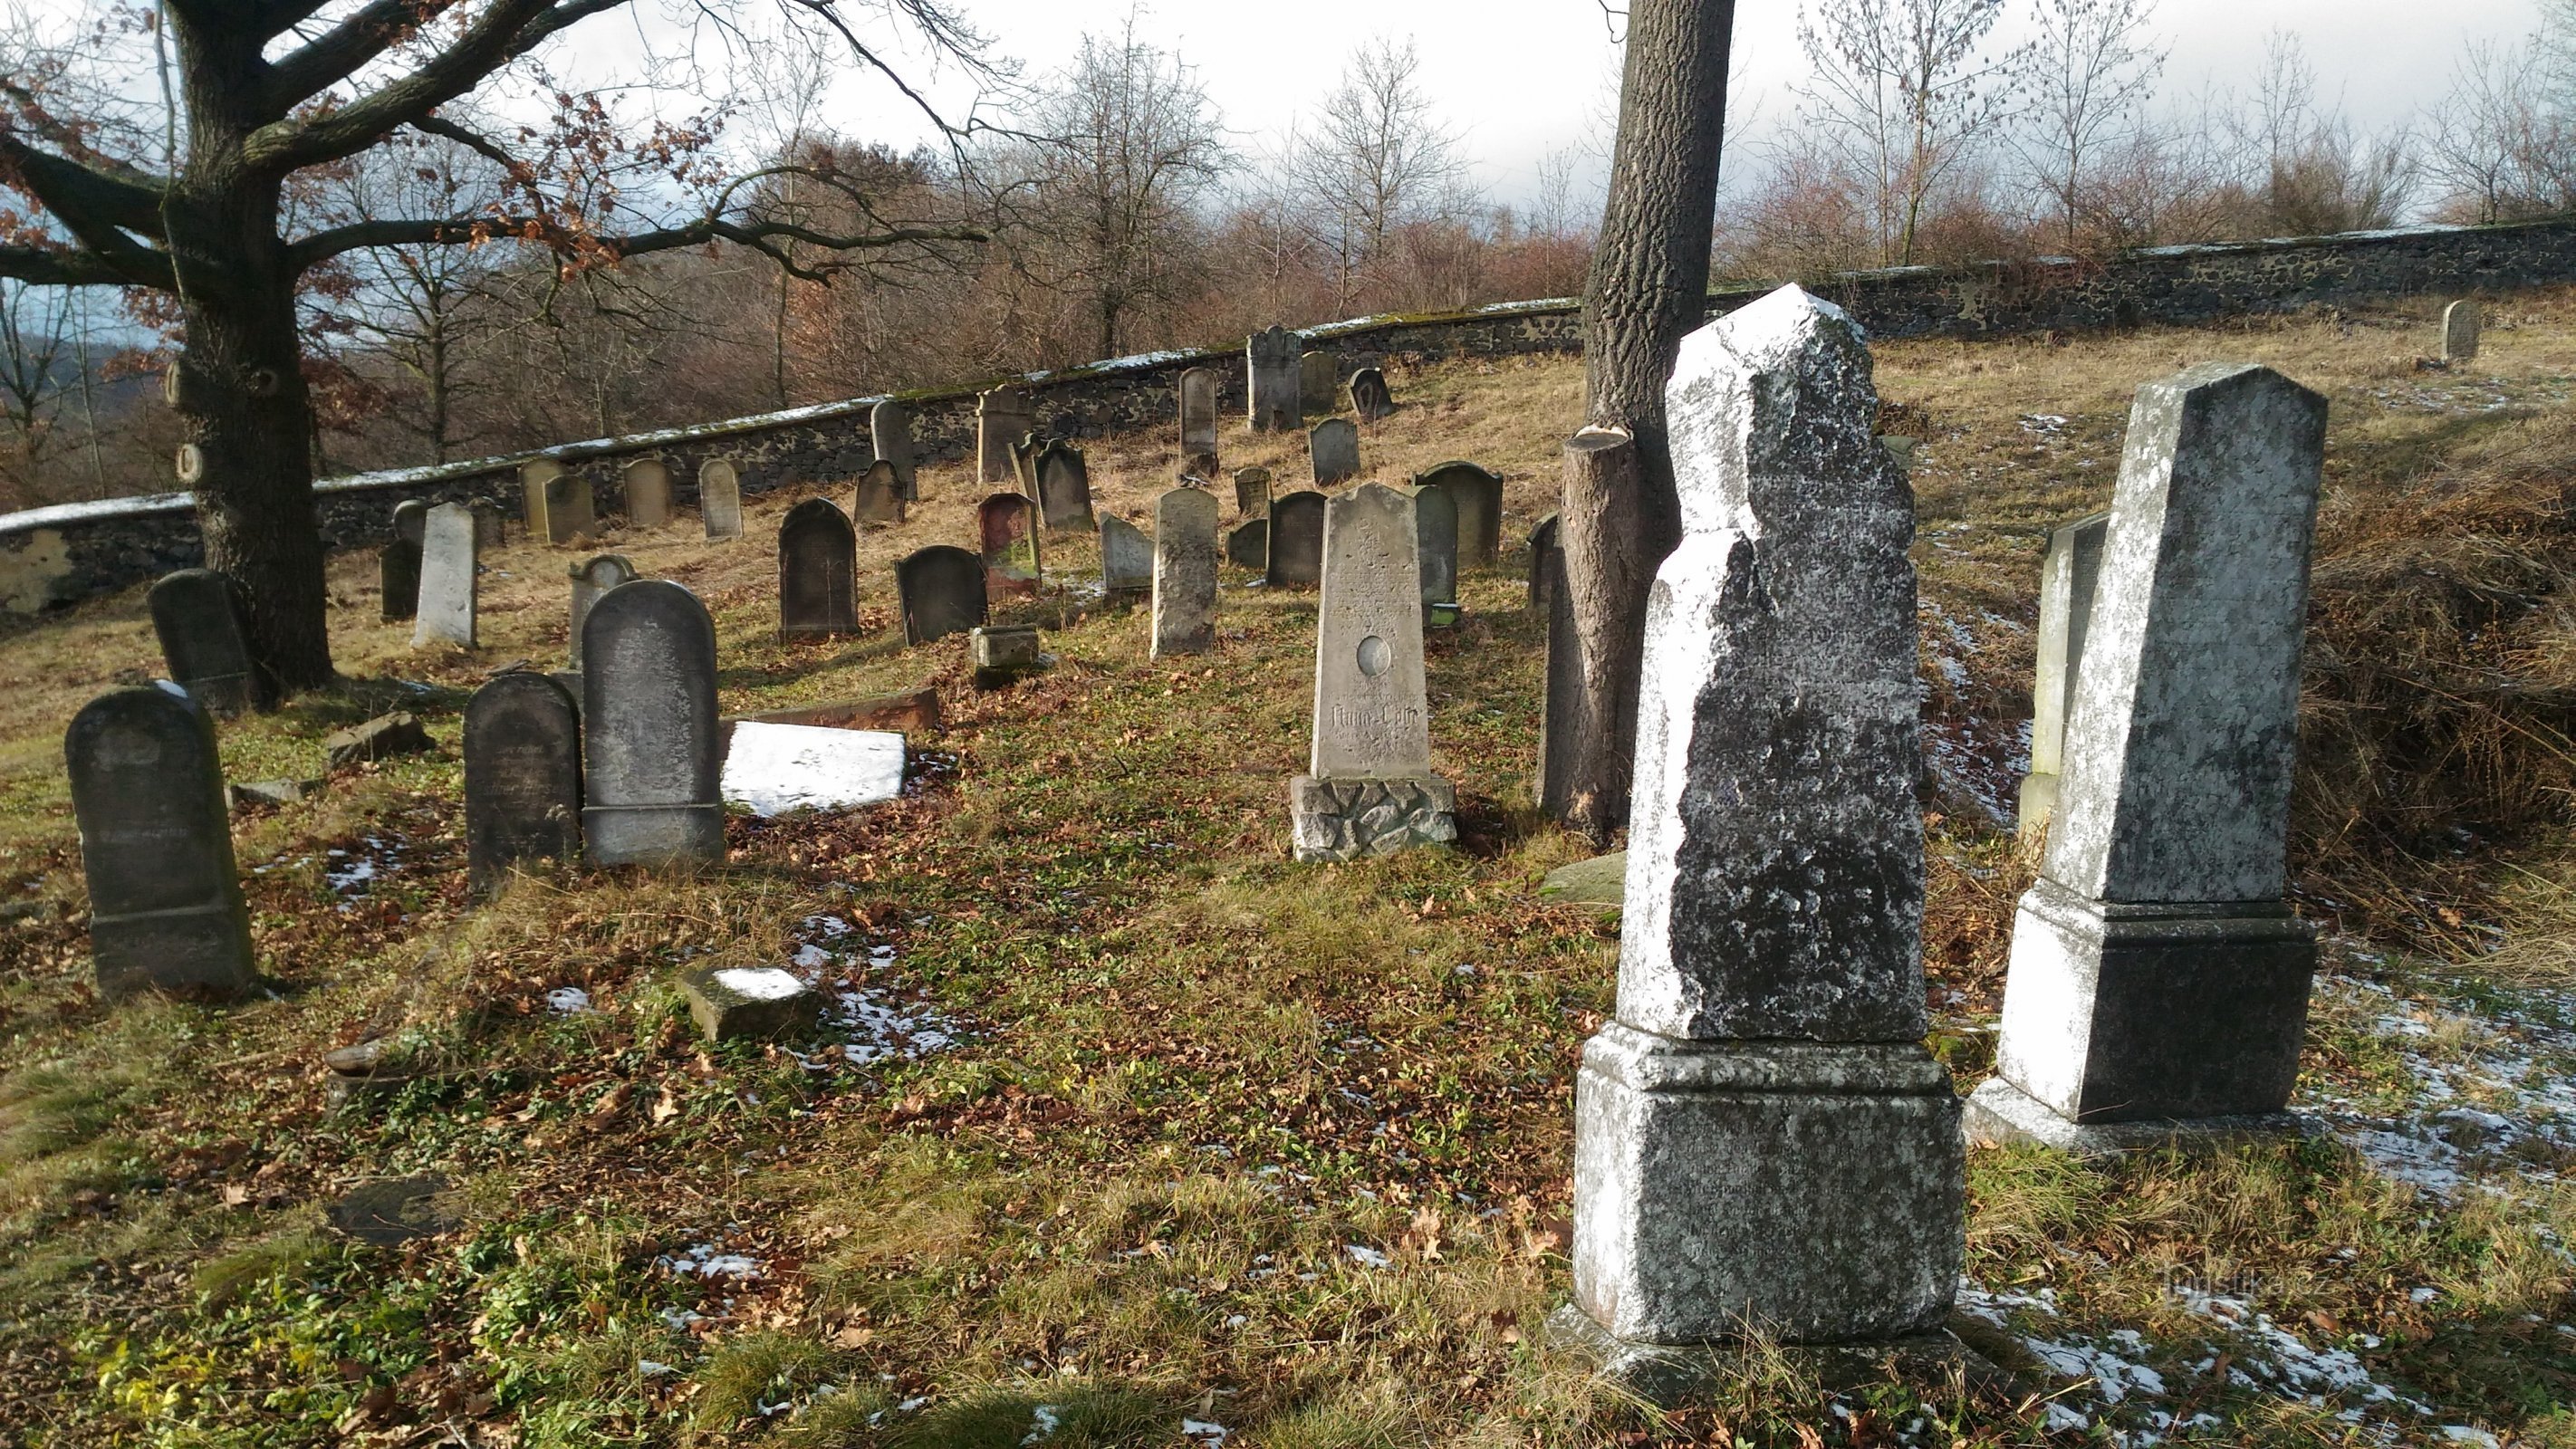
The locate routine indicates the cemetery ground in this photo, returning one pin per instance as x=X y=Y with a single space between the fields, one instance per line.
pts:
x=1119 y=1128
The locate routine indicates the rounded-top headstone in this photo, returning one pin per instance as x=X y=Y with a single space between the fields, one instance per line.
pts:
x=197 y=614
x=166 y=909
x=522 y=776
x=818 y=569
x=651 y=756
x=1296 y=539
x=942 y=592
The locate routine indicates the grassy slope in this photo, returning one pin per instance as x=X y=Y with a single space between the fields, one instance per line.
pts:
x=1153 y=1100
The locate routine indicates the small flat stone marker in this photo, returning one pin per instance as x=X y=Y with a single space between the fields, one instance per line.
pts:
x=1601 y=881
x=382 y=738
x=1004 y=654
x=386 y=1214
x=1185 y=561
x=449 y=574
x=166 y=911
x=747 y=1003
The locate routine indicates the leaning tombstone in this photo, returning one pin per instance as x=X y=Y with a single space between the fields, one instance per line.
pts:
x=942 y=592
x=398 y=566
x=1296 y=552
x=1197 y=390
x=880 y=499
x=1064 y=487
x=1001 y=419
x=1371 y=398
x=1252 y=493
x=1479 y=495
x=1248 y=545
x=166 y=911
x=890 y=438
x=1273 y=390
x=648 y=493
x=534 y=476
x=1435 y=520
x=818 y=572
x=1126 y=559
x=720 y=499
x=2158 y=984
x=1333 y=450
x=1546 y=566
x=1184 y=572
x=448 y=570
x=522 y=777
x=2066 y=582
x=1761 y=1136
x=650 y=751
x=2460 y=331
x=198 y=615
x=1318 y=381
x=590 y=579
x=1024 y=462
x=1368 y=788
x=1006 y=526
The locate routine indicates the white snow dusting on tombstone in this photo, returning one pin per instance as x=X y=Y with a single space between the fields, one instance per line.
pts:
x=760 y=983
x=775 y=768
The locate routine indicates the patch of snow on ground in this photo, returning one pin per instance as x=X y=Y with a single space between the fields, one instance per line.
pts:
x=567 y=1001
x=882 y=1022
x=704 y=1261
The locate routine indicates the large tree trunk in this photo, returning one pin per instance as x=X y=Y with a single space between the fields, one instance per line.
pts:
x=1648 y=290
x=1592 y=736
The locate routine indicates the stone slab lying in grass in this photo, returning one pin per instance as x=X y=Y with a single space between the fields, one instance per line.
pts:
x=381 y=738
x=739 y=1003
x=1601 y=881
x=916 y=710
x=775 y=768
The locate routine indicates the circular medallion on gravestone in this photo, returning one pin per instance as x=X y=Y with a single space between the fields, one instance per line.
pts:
x=1374 y=656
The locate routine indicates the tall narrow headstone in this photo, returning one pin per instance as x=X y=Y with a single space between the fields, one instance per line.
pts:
x=1274 y=391
x=942 y=593
x=1198 y=422
x=1126 y=558
x=198 y=615
x=522 y=777
x=534 y=475
x=1296 y=538
x=1001 y=419
x=1546 y=565
x=1319 y=381
x=1761 y=1136
x=1435 y=519
x=720 y=499
x=1064 y=487
x=2158 y=985
x=1479 y=495
x=1368 y=787
x=650 y=752
x=2460 y=331
x=1333 y=450
x=590 y=579
x=448 y=578
x=880 y=500
x=890 y=437
x=1247 y=546
x=648 y=492
x=818 y=572
x=1371 y=398
x=1006 y=528
x=1252 y=493
x=165 y=902
x=2066 y=582
x=1557 y=729
x=1184 y=572
x=398 y=567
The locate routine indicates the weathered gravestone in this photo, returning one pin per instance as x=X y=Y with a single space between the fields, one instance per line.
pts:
x=448 y=572
x=165 y=903
x=1184 y=572
x=1760 y=1135
x=1252 y=493
x=2067 y=579
x=1371 y=398
x=2158 y=985
x=1545 y=565
x=1558 y=727
x=1479 y=495
x=1198 y=422
x=198 y=615
x=1064 y=487
x=522 y=777
x=2460 y=325
x=1333 y=450
x=1248 y=546
x=880 y=500
x=1001 y=419
x=1273 y=390
x=818 y=572
x=534 y=475
x=890 y=437
x=1126 y=558
x=1295 y=557
x=1435 y=521
x=1006 y=529
x=571 y=515
x=590 y=579
x=1318 y=380
x=942 y=592
x=1004 y=654
x=648 y=492
x=491 y=522
x=1368 y=789
x=398 y=567
x=650 y=755
x=720 y=499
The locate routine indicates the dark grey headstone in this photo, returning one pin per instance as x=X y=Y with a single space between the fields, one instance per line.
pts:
x=1296 y=541
x=1064 y=487
x=198 y=614
x=890 y=436
x=166 y=908
x=818 y=572
x=1248 y=546
x=522 y=777
x=590 y=579
x=1319 y=380
x=1371 y=398
x=411 y=521
x=1274 y=387
x=1435 y=520
x=1333 y=451
x=1546 y=563
x=942 y=590
x=1564 y=678
x=1479 y=495
x=398 y=567
x=650 y=751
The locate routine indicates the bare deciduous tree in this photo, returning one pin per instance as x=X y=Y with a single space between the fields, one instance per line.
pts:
x=2502 y=145
x=1904 y=89
x=1377 y=160
x=2087 y=76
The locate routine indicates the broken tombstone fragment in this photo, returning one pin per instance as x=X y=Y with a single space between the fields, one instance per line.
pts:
x=380 y=738
x=1006 y=653
x=739 y=1003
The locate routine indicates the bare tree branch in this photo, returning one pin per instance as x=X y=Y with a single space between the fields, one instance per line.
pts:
x=344 y=49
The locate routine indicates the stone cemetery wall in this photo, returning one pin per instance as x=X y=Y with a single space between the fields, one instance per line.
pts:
x=58 y=555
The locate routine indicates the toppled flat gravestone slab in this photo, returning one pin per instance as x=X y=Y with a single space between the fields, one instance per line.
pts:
x=747 y=1003
x=1601 y=881
x=272 y=792
x=381 y=738
x=387 y=1213
x=775 y=768
x=917 y=710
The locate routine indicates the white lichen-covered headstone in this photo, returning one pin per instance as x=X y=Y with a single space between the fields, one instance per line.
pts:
x=2158 y=984
x=1761 y=1136
x=2460 y=331
x=447 y=578
x=2067 y=578
x=1185 y=559
x=1126 y=558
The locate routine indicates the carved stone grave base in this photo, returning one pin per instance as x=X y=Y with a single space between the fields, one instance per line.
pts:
x=1354 y=819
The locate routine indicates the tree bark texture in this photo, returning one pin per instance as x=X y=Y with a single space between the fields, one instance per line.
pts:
x=1648 y=290
x=1596 y=644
